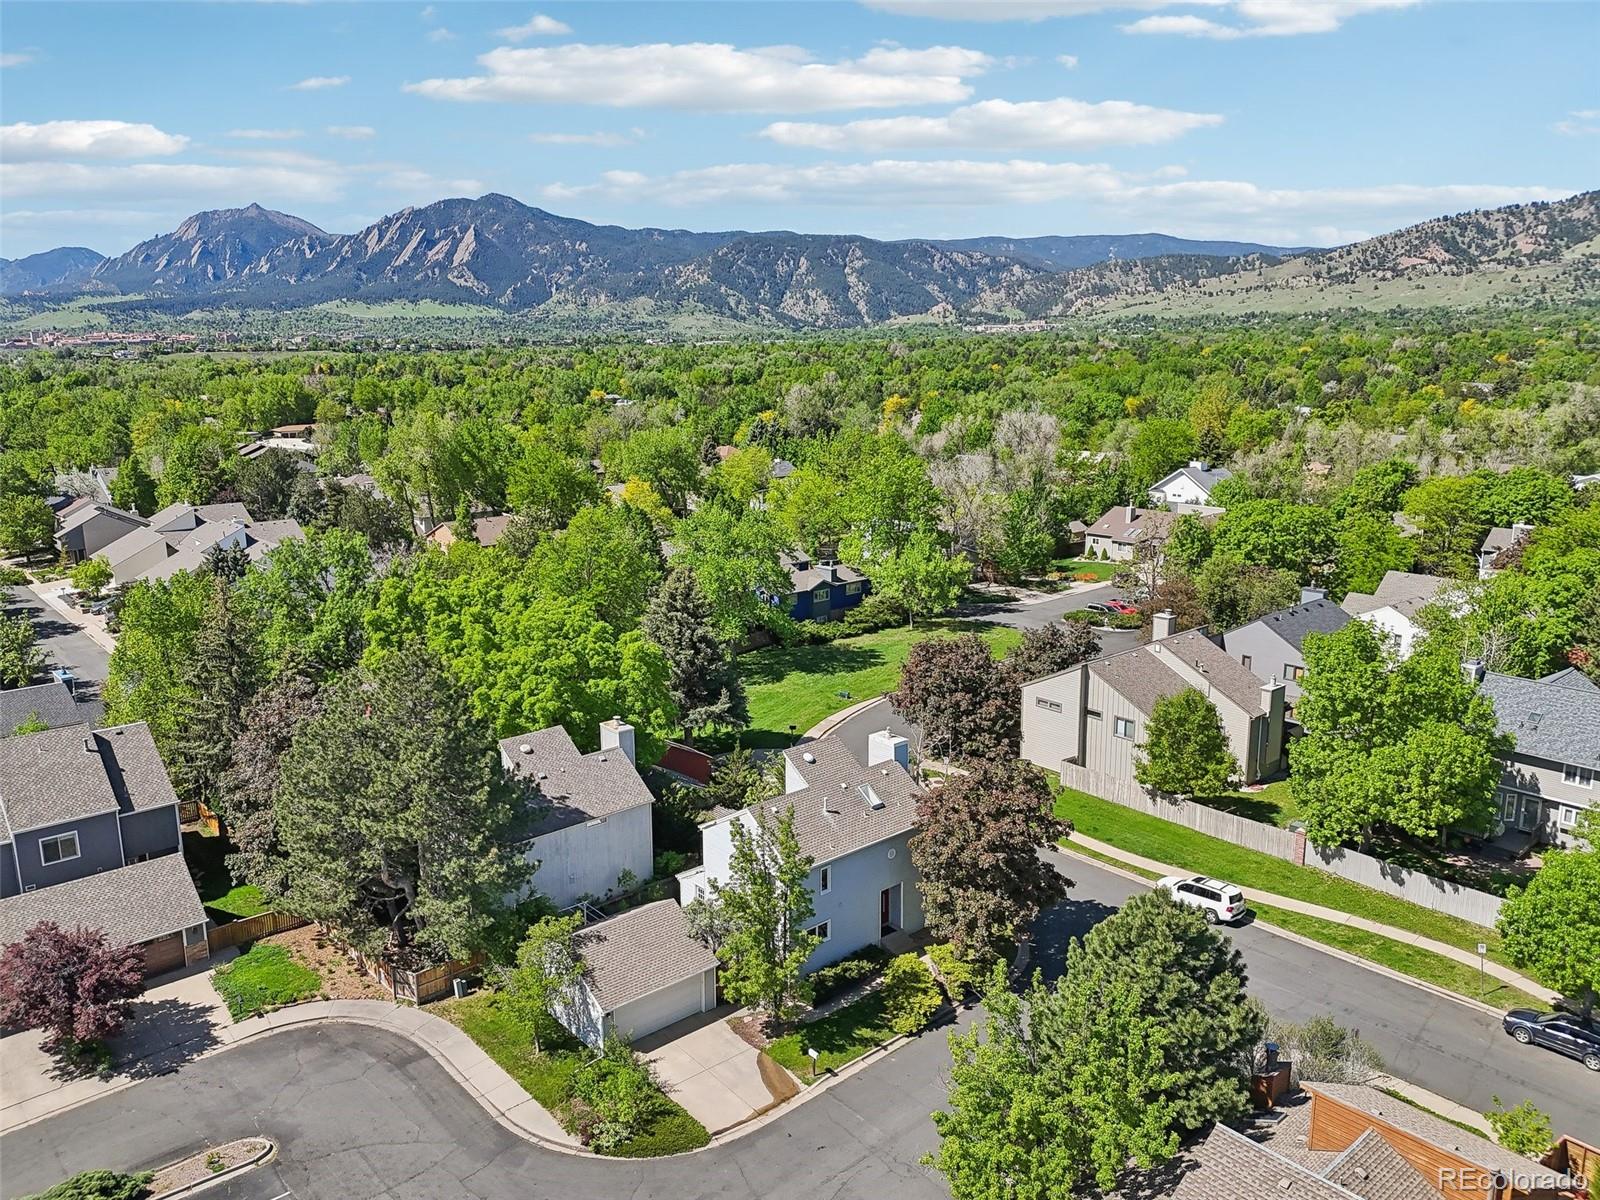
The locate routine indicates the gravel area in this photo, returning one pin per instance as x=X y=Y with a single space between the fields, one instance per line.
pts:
x=341 y=978
x=204 y=1165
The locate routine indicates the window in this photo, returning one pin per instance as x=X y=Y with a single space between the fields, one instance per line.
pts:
x=1508 y=806
x=1092 y=713
x=1578 y=776
x=1244 y=661
x=63 y=847
x=826 y=877
x=820 y=595
x=1568 y=817
x=1293 y=673
x=822 y=930
x=1047 y=705
x=853 y=588
x=1122 y=727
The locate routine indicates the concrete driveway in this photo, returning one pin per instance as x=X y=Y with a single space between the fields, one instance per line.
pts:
x=709 y=1069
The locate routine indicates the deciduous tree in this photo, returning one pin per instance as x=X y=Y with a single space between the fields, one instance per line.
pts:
x=26 y=525
x=20 y=658
x=549 y=966
x=1551 y=926
x=72 y=984
x=1051 y=648
x=1185 y=751
x=91 y=577
x=961 y=699
x=766 y=906
x=921 y=576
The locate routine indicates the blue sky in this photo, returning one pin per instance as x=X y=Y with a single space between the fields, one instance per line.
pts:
x=1287 y=121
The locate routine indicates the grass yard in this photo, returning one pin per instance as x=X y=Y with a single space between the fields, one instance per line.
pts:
x=224 y=900
x=1167 y=842
x=841 y=1037
x=1071 y=567
x=800 y=685
x=1272 y=805
x=263 y=978
x=506 y=1036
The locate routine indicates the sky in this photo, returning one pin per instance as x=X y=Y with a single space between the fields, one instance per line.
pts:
x=1291 y=122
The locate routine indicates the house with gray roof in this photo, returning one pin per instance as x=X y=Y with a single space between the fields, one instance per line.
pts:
x=181 y=536
x=1550 y=773
x=853 y=820
x=1189 y=487
x=1124 y=528
x=822 y=589
x=50 y=704
x=1393 y=609
x=1495 y=543
x=642 y=972
x=587 y=819
x=86 y=527
x=89 y=836
x=1094 y=715
x=1272 y=647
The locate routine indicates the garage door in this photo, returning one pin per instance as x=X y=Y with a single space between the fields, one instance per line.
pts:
x=163 y=954
x=650 y=1013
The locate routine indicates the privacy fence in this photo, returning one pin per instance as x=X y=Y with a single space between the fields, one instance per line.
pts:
x=1421 y=889
x=250 y=929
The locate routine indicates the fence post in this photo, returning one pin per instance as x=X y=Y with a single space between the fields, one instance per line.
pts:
x=1299 y=847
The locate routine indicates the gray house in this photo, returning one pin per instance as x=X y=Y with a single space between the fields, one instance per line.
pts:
x=86 y=527
x=50 y=704
x=89 y=836
x=590 y=821
x=179 y=537
x=1550 y=774
x=1393 y=609
x=1093 y=715
x=853 y=820
x=1273 y=647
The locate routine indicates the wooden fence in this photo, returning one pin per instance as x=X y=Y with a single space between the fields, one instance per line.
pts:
x=250 y=929
x=1423 y=890
x=419 y=987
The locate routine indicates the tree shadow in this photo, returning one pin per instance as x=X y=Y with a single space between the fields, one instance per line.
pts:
x=829 y=658
x=163 y=1035
x=1057 y=926
x=1252 y=808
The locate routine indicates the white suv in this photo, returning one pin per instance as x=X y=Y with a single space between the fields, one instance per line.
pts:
x=1218 y=900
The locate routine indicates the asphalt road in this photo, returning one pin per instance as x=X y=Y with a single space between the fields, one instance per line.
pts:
x=64 y=645
x=361 y=1113
x=1046 y=612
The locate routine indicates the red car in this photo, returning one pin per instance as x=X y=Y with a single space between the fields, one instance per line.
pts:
x=1121 y=606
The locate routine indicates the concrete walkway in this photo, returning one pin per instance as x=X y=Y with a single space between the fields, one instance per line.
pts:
x=1455 y=953
x=92 y=627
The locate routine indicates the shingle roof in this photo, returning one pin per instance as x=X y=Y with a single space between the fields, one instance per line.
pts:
x=1144 y=674
x=1497 y=539
x=832 y=816
x=1404 y=591
x=1207 y=478
x=1374 y=1170
x=1294 y=623
x=1408 y=1118
x=63 y=774
x=576 y=787
x=1548 y=719
x=1129 y=523
x=1138 y=679
x=1229 y=1166
x=51 y=702
x=805 y=575
x=131 y=904
x=1574 y=679
x=639 y=952
x=77 y=516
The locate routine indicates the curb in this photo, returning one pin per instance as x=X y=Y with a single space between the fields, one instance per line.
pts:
x=199 y=1185
x=1312 y=943
x=829 y=723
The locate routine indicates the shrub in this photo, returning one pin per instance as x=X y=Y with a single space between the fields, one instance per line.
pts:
x=1521 y=1130
x=13 y=577
x=959 y=975
x=1086 y=577
x=872 y=614
x=674 y=1132
x=613 y=1097
x=99 y=1185
x=266 y=977
x=827 y=982
x=1081 y=616
x=910 y=996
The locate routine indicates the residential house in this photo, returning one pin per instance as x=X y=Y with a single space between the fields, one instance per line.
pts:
x=642 y=972
x=89 y=837
x=86 y=527
x=51 y=704
x=1118 y=534
x=1273 y=646
x=180 y=536
x=853 y=820
x=486 y=531
x=1497 y=541
x=256 y=538
x=291 y=439
x=1189 y=487
x=822 y=590
x=1093 y=715
x=1392 y=609
x=1551 y=771
x=589 y=824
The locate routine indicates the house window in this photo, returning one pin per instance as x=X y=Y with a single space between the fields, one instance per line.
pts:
x=1293 y=673
x=1508 y=806
x=1244 y=661
x=827 y=880
x=1122 y=727
x=1568 y=817
x=1578 y=776
x=853 y=588
x=1047 y=705
x=823 y=930
x=63 y=847
x=819 y=595
x=1092 y=713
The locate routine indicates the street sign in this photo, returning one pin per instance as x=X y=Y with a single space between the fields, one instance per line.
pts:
x=1483 y=948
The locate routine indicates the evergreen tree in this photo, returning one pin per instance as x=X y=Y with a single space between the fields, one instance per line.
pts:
x=220 y=678
x=703 y=681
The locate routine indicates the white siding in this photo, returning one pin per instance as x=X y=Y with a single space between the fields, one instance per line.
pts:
x=585 y=860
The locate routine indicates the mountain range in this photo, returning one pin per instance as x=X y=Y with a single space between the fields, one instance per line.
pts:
x=496 y=254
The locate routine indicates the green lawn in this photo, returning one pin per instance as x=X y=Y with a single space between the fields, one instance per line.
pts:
x=797 y=686
x=1272 y=805
x=224 y=900
x=263 y=978
x=1167 y=842
x=1084 y=566
x=841 y=1037
x=507 y=1037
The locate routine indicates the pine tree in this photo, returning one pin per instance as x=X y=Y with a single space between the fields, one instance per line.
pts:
x=703 y=681
x=221 y=678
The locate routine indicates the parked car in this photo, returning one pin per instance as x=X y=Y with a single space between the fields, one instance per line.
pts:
x=1099 y=608
x=1561 y=1032
x=1218 y=900
x=1121 y=606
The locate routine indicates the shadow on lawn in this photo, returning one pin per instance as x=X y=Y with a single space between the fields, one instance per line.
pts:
x=1252 y=808
x=830 y=658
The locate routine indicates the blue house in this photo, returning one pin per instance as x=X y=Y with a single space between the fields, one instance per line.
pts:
x=822 y=590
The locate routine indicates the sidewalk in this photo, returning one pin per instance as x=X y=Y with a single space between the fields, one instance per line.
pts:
x=1455 y=953
x=93 y=627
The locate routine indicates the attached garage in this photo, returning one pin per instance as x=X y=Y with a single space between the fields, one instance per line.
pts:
x=643 y=972
x=164 y=954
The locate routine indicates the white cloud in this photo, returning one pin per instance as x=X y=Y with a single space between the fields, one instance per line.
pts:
x=441 y=34
x=53 y=140
x=715 y=77
x=1014 y=10
x=1069 y=61
x=1002 y=124
x=428 y=13
x=319 y=83
x=266 y=135
x=197 y=182
x=600 y=138
x=538 y=26
x=1580 y=122
x=1267 y=18
x=353 y=133
x=19 y=59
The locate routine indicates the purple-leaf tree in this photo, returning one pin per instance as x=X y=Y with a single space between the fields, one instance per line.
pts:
x=69 y=983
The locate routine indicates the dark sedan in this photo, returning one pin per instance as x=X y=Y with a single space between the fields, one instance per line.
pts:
x=1561 y=1032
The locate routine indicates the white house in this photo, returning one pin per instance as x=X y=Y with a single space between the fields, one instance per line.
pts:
x=1393 y=608
x=592 y=819
x=1188 y=487
x=853 y=820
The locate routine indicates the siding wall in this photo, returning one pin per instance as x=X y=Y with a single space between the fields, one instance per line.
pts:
x=153 y=832
x=1540 y=777
x=98 y=850
x=585 y=860
x=1268 y=654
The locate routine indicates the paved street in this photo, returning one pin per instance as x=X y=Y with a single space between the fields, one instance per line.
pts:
x=1046 y=612
x=64 y=645
x=361 y=1113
